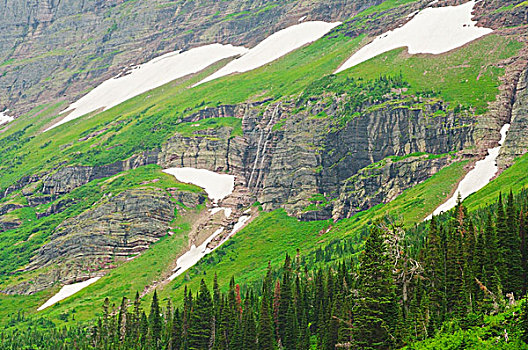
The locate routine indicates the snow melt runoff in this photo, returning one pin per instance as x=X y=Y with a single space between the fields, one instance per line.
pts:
x=432 y=30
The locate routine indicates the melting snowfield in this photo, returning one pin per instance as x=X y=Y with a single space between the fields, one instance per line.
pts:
x=433 y=30
x=274 y=47
x=159 y=71
x=191 y=257
x=217 y=186
x=478 y=177
x=227 y=211
x=67 y=291
x=4 y=118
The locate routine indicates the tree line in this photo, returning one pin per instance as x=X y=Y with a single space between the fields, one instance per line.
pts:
x=404 y=286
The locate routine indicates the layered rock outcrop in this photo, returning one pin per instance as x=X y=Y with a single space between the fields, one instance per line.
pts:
x=516 y=143
x=118 y=227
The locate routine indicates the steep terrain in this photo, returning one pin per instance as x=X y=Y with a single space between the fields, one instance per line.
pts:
x=55 y=50
x=319 y=155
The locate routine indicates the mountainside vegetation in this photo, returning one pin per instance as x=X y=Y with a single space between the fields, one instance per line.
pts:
x=323 y=242
x=461 y=285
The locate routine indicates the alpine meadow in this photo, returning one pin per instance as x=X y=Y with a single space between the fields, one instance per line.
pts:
x=263 y=175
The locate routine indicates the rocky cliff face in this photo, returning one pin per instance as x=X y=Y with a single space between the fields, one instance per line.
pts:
x=309 y=156
x=516 y=143
x=97 y=239
x=53 y=49
x=286 y=158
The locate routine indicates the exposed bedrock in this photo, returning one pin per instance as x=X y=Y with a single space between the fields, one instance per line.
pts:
x=119 y=226
x=383 y=182
x=516 y=143
x=284 y=156
x=323 y=164
x=50 y=48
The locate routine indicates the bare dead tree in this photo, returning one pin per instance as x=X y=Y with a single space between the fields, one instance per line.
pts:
x=491 y=294
x=404 y=267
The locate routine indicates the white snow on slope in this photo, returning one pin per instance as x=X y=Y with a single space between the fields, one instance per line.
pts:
x=217 y=186
x=433 y=30
x=67 y=291
x=274 y=47
x=5 y=118
x=191 y=257
x=227 y=211
x=150 y=75
x=478 y=177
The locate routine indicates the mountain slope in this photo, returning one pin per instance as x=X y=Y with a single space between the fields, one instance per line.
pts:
x=322 y=154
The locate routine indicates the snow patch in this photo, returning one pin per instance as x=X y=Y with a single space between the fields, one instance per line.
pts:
x=433 y=30
x=5 y=118
x=477 y=178
x=217 y=186
x=302 y=18
x=191 y=257
x=67 y=291
x=238 y=226
x=227 y=211
x=274 y=47
x=150 y=75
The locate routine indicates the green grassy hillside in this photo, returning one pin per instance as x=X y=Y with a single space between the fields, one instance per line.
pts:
x=465 y=78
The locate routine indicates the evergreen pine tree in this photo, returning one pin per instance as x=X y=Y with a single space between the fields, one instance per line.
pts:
x=514 y=282
x=434 y=267
x=249 y=328
x=265 y=336
x=176 y=331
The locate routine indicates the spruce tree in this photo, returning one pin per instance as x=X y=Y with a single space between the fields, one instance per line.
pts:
x=492 y=258
x=249 y=328
x=201 y=320
x=122 y=319
x=514 y=282
x=265 y=336
x=155 y=321
x=176 y=331
x=434 y=267
x=376 y=312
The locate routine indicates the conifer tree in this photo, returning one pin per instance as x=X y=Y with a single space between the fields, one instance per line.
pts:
x=434 y=267
x=122 y=319
x=155 y=322
x=143 y=328
x=492 y=258
x=201 y=320
x=249 y=328
x=265 y=335
x=176 y=331
x=514 y=282
x=376 y=311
